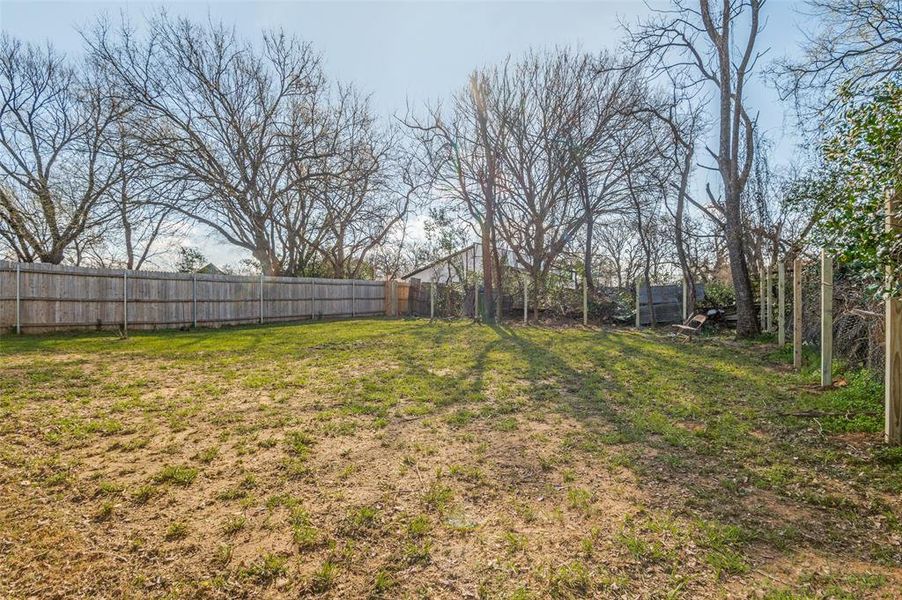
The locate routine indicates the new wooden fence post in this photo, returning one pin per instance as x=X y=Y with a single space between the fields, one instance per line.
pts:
x=781 y=304
x=893 y=387
x=125 y=302
x=194 y=300
x=797 y=313
x=761 y=300
x=261 y=298
x=525 y=300
x=769 y=315
x=585 y=302
x=826 y=319
x=18 y=299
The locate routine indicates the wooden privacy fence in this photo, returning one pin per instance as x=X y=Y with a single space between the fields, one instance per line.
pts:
x=38 y=297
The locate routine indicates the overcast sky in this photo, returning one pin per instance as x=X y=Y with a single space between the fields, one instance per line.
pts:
x=404 y=52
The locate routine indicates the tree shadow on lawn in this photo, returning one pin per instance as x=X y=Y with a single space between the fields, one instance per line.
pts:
x=701 y=443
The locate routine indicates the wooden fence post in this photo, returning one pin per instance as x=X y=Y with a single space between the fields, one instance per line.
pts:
x=781 y=304
x=585 y=302
x=18 y=299
x=431 y=300
x=125 y=302
x=313 y=301
x=194 y=300
x=826 y=319
x=893 y=387
x=353 y=298
x=525 y=300
x=761 y=299
x=769 y=289
x=797 y=313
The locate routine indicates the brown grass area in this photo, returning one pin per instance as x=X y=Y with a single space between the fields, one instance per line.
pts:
x=415 y=461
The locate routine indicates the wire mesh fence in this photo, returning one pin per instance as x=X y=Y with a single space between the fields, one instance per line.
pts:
x=858 y=318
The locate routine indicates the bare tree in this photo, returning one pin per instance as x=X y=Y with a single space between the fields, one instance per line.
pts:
x=858 y=46
x=54 y=129
x=620 y=252
x=459 y=153
x=372 y=183
x=647 y=180
x=242 y=127
x=553 y=109
x=141 y=228
x=683 y=120
x=602 y=134
x=714 y=42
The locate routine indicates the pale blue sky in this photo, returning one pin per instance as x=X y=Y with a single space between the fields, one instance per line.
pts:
x=416 y=51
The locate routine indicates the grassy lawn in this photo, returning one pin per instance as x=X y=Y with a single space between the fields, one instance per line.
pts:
x=408 y=459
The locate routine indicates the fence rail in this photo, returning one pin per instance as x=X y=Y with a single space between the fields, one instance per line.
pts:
x=38 y=297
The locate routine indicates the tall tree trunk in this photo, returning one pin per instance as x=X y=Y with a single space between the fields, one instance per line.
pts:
x=583 y=182
x=478 y=89
x=488 y=296
x=688 y=279
x=499 y=279
x=535 y=293
x=728 y=155
x=746 y=323
x=651 y=300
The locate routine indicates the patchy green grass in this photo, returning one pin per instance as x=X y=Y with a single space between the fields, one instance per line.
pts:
x=408 y=459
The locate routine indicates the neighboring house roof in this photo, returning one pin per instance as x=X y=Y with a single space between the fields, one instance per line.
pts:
x=210 y=269
x=441 y=260
x=508 y=261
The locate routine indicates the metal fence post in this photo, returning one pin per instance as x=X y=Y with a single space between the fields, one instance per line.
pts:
x=826 y=319
x=125 y=302
x=18 y=300
x=194 y=300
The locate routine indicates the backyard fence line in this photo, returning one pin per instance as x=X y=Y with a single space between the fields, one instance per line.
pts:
x=36 y=297
x=891 y=334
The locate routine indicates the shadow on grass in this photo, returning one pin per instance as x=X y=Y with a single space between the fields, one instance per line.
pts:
x=710 y=461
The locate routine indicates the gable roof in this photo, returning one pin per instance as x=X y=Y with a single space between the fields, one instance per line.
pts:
x=439 y=261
